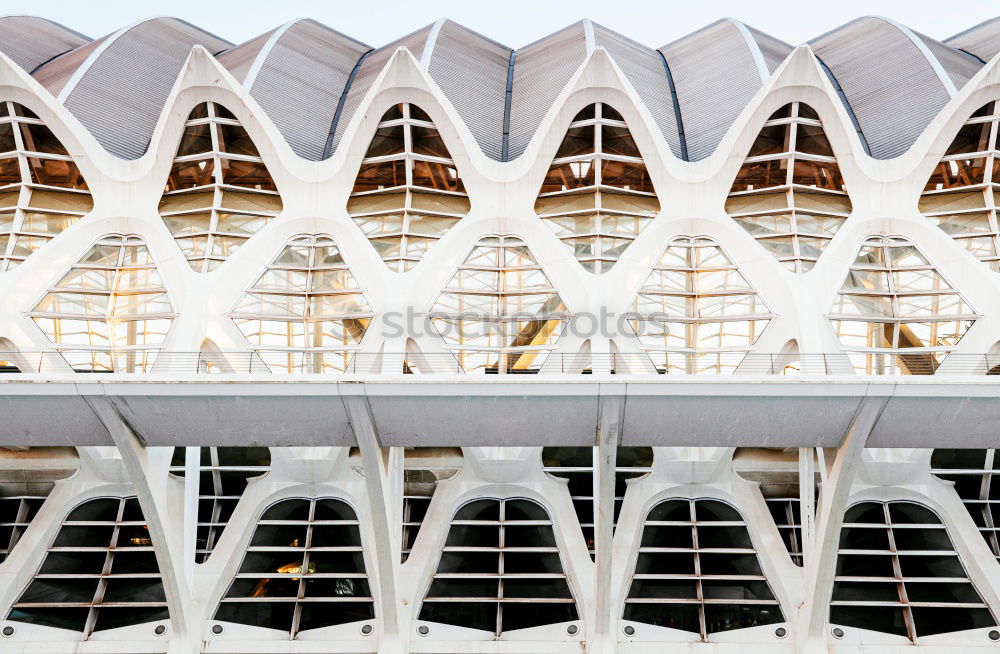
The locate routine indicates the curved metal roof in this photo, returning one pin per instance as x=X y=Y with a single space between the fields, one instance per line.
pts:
x=298 y=73
x=894 y=79
x=982 y=41
x=31 y=41
x=118 y=85
x=716 y=71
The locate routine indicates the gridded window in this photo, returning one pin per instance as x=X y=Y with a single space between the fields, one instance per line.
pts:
x=963 y=192
x=219 y=192
x=696 y=313
x=99 y=573
x=16 y=513
x=306 y=313
x=304 y=569
x=898 y=573
x=423 y=468
x=972 y=471
x=408 y=192
x=111 y=311
x=787 y=515
x=500 y=570
x=597 y=195
x=789 y=193
x=500 y=313
x=895 y=313
x=577 y=464
x=41 y=190
x=697 y=571
x=223 y=476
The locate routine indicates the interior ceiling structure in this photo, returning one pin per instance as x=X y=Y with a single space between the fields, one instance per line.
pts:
x=892 y=80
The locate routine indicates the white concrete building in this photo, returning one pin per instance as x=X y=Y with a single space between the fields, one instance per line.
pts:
x=444 y=347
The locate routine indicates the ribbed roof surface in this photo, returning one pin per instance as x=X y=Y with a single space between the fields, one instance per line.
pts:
x=983 y=40
x=30 y=41
x=893 y=78
x=298 y=73
x=716 y=71
x=311 y=79
x=118 y=88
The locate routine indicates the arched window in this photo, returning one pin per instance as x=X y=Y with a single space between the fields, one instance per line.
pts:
x=898 y=573
x=16 y=513
x=41 y=190
x=895 y=313
x=960 y=195
x=697 y=570
x=972 y=471
x=500 y=570
x=500 y=312
x=306 y=312
x=111 y=311
x=789 y=194
x=219 y=192
x=408 y=192
x=224 y=474
x=99 y=573
x=597 y=195
x=696 y=313
x=577 y=464
x=303 y=569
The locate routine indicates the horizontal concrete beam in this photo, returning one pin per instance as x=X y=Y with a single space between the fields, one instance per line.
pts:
x=411 y=410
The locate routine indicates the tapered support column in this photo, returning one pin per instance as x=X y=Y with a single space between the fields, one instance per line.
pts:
x=821 y=560
x=382 y=509
x=807 y=501
x=150 y=489
x=609 y=431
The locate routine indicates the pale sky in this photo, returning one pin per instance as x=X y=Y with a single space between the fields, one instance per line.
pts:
x=512 y=22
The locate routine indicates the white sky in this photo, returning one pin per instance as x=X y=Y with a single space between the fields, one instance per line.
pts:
x=512 y=22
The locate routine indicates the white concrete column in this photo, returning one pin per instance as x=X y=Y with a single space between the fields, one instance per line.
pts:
x=821 y=562
x=381 y=507
x=609 y=430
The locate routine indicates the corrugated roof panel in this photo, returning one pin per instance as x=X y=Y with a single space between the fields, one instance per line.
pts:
x=300 y=81
x=240 y=59
x=643 y=67
x=541 y=72
x=31 y=41
x=54 y=74
x=369 y=70
x=959 y=66
x=983 y=40
x=472 y=72
x=120 y=94
x=891 y=86
x=715 y=76
x=774 y=50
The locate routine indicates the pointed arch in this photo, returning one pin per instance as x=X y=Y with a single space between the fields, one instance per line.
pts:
x=789 y=194
x=696 y=313
x=597 y=195
x=500 y=313
x=211 y=359
x=408 y=192
x=306 y=312
x=111 y=311
x=959 y=197
x=219 y=191
x=42 y=192
x=11 y=358
x=895 y=313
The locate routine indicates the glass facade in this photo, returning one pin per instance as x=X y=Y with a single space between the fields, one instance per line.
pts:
x=42 y=192
x=597 y=195
x=219 y=192
x=789 y=193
